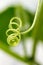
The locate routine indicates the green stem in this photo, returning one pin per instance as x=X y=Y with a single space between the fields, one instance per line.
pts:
x=34 y=49
x=38 y=20
x=13 y=54
x=24 y=46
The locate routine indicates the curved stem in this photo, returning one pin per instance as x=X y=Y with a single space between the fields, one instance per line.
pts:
x=33 y=24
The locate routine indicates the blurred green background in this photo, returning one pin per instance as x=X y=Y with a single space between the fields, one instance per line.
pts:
x=26 y=51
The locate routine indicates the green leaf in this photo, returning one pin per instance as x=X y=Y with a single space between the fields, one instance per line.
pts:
x=5 y=19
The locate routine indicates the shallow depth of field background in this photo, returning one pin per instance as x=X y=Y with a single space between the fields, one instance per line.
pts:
x=6 y=59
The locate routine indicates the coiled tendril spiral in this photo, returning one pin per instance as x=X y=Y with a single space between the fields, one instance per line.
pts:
x=14 y=34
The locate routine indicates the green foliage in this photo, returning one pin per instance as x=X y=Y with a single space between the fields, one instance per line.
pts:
x=4 y=21
x=27 y=17
x=38 y=29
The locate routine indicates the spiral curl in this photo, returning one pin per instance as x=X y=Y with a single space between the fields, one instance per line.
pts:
x=14 y=38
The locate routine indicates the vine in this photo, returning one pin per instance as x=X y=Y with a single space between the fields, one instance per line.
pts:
x=14 y=34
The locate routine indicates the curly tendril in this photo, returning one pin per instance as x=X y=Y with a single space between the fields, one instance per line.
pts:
x=14 y=34
x=14 y=38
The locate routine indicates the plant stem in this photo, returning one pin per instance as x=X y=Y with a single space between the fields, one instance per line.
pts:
x=24 y=46
x=7 y=50
x=37 y=19
x=34 y=49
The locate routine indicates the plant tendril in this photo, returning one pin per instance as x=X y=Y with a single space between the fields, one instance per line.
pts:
x=14 y=34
